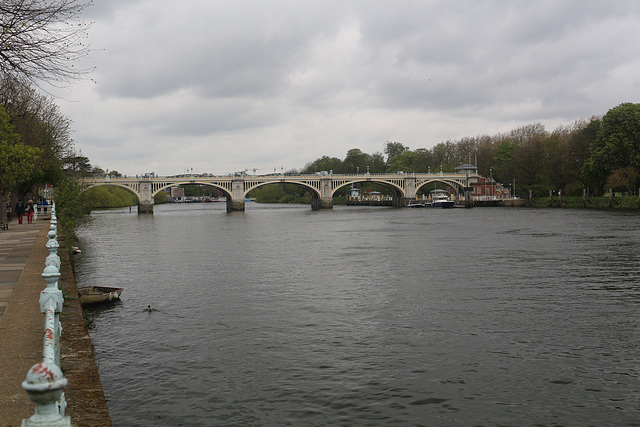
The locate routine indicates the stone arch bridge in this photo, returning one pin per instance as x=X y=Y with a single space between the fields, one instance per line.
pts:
x=322 y=186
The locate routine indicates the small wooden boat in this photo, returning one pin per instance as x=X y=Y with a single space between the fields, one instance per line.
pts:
x=95 y=294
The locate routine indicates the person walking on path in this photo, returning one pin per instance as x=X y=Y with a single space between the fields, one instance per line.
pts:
x=19 y=210
x=29 y=211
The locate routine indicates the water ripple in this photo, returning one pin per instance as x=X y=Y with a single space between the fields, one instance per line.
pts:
x=369 y=317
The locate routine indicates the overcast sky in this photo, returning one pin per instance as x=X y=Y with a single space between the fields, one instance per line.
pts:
x=223 y=86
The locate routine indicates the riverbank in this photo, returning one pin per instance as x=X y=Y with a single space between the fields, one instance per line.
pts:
x=21 y=328
x=624 y=203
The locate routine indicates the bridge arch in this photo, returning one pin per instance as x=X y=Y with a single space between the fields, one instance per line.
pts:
x=252 y=185
x=456 y=185
x=164 y=186
x=396 y=188
x=112 y=184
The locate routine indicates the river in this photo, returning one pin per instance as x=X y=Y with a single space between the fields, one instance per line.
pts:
x=362 y=316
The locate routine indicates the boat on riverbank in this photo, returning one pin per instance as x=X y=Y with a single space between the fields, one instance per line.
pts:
x=415 y=204
x=96 y=294
x=439 y=199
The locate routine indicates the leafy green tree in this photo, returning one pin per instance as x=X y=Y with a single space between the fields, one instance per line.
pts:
x=393 y=149
x=17 y=160
x=40 y=124
x=404 y=162
x=378 y=164
x=77 y=165
x=324 y=163
x=617 y=145
x=577 y=148
x=356 y=161
x=423 y=160
x=503 y=167
x=69 y=208
x=444 y=154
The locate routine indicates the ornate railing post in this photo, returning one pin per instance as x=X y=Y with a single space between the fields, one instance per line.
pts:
x=52 y=246
x=45 y=381
x=44 y=385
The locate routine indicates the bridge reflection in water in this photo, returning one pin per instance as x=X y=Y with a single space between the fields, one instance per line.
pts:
x=321 y=186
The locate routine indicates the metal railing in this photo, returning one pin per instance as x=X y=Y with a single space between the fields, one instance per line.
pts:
x=45 y=381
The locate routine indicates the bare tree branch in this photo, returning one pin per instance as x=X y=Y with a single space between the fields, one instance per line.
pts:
x=41 y=40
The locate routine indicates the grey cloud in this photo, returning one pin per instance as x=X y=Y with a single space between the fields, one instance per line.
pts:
x=256 y=77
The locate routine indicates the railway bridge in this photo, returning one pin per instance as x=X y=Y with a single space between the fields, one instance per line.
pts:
x=322 y=186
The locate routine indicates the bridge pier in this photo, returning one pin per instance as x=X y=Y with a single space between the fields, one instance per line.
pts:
x=323 y=200
x=401 y=202
x=235 y=205
x=321 y=203
x=145 y=208
x=468 y=203
x=145 y=203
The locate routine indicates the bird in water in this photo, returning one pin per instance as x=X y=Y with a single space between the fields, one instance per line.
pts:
x=149 y=309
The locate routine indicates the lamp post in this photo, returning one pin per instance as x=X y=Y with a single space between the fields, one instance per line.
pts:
x=493 y=189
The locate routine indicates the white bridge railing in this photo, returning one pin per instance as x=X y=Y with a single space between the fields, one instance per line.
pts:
x=45 y=381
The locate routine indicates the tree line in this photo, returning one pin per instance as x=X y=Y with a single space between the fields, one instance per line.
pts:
x=39 y=43
x=595 y=154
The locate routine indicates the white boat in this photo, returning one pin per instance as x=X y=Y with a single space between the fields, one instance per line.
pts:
x=439 y=199
x=415 y=204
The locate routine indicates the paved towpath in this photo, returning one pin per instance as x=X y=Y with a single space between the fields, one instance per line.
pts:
x=21 y=322
x=22 y=256
x=15 y=248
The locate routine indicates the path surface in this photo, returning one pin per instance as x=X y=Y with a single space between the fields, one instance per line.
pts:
x=22 y=256
x=15 y=248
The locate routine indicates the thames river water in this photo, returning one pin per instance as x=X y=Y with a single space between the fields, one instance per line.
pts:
x=356 y=316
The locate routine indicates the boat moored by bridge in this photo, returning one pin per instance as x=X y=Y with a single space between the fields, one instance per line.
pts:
x=439 y=199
